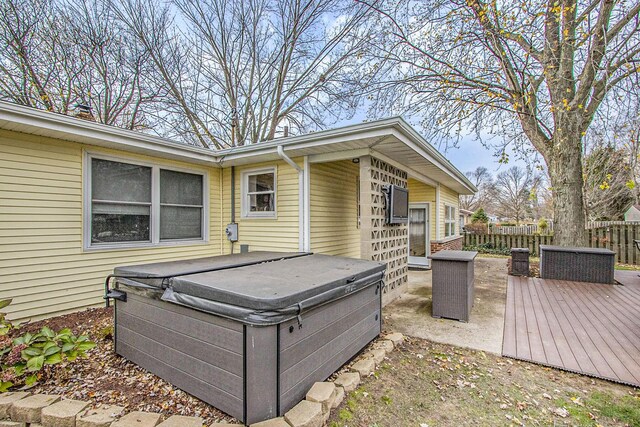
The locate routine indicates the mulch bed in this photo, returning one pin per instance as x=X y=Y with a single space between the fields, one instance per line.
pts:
x=104 y=377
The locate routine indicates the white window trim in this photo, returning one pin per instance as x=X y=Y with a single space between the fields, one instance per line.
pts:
x=450 y=221
x=154 y=223
x=244 y=196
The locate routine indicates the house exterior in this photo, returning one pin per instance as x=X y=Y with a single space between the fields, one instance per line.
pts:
x=465 y=217
x=78 y=198
x=633 y=213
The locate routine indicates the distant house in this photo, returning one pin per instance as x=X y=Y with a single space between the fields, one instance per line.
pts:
x=465 y=217
x=79 y=198
x=633 y=213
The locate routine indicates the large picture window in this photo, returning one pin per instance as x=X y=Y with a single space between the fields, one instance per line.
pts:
x=259 y=193
x=449 y=221
x=133 y=204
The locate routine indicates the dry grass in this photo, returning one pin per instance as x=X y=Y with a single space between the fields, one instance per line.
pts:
x=428 y=384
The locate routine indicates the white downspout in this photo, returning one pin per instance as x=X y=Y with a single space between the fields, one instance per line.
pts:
x=438 y=211
x=302 y=197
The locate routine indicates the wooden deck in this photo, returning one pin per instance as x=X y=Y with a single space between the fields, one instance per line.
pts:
x=588 y=328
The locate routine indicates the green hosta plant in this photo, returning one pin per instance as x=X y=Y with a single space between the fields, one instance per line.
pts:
x=27 y=354
x=5 y=345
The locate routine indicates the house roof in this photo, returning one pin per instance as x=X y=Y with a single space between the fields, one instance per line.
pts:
x=392 y=140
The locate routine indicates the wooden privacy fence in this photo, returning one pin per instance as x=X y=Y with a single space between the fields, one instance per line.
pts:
x=618 y=238
x=497 y=241
x=518 y=229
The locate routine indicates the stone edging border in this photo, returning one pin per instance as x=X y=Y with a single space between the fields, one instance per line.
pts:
x=23 y=409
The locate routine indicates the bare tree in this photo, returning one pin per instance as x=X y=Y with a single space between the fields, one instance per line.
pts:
x=58 y=54
x=238 y=71
x=607 y=193
x=515 y=189
x=113 y=80
x=537 y=72
x=483 y=180
x=32 y=56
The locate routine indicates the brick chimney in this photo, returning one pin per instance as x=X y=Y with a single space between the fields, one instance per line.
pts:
x=84 y=112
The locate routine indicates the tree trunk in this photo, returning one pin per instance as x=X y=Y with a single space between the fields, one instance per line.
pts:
x=565 y=171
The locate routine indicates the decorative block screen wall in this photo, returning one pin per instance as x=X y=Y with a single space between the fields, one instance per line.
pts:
x=380 y=241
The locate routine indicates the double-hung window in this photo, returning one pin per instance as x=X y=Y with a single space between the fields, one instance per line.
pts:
x=259 y=193
x=130 y=204
x=181 y=203
x=449 y=221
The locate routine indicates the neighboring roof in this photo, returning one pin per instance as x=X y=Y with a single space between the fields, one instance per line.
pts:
x=466 y=211
x=636 y=207
x=392 y=140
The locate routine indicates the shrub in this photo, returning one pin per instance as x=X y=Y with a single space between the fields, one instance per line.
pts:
x=543 y=225
x=479 y=216
x=488 y=248
x=21 y=358
x=476 y=228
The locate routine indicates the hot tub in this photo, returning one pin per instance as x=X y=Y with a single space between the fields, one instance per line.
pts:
x=247 y=333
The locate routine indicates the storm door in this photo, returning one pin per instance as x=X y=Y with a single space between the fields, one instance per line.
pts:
x=419 y=234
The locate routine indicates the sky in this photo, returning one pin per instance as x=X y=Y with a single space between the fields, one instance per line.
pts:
x=466 y=156
x=470 y=153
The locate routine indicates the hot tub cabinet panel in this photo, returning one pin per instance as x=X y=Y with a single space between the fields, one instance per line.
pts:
x=196 y=352
x=329 y=336
x=253 y=371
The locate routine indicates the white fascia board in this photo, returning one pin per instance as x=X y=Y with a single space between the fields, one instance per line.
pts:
x=420 y=149
x=228 y=157
x=60 y=126
x=332 y=135
x=415 y=141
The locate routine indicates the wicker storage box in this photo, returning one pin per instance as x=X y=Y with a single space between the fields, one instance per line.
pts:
x=452 y=284
x=520 y=261
x=592 y=265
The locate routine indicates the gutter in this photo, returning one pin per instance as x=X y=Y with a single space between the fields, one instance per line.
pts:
x=303 y=200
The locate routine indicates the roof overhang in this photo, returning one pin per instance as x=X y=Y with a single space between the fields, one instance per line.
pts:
x=59 y=126
x=392 y=140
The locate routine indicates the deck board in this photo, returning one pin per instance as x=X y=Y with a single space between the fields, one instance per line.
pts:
x=589 y=328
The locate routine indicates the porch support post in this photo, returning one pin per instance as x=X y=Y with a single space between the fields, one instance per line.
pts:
x=366 y=201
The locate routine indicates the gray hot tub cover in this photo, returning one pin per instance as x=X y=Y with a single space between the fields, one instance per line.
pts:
x=267 y=293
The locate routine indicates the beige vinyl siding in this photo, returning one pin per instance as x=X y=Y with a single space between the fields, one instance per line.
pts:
x=278 y=234
x=451 y=198
x=334 y=209
x=42 y=263
x=423 y=193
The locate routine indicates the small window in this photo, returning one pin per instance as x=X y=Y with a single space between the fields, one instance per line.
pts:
x=259 y=193
x=117 y=215
x=449 y=221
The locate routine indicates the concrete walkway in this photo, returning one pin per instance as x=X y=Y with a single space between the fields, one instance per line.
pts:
x=411 y=313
